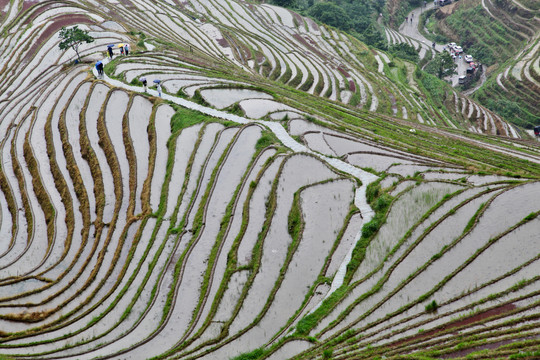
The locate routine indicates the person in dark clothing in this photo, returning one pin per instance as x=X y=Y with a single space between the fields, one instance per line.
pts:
x=99 y=68
x=126 y=49
x=145 y=83
x=110 y=52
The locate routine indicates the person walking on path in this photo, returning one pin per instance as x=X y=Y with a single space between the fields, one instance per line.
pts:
x=145 y=83
x=110 y=51
x=99 y=68
x=159 y=89
x=126 y=49
x=122 y=50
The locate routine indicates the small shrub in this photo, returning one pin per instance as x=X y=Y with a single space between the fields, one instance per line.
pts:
x=372 y=192
x=432 y=307
x=252 y=355
x=235 y=109
x=181 y=93
x=404 y=51
x=356 y=99
x=382 y=203
x=371 y=227
x=312 y=339
x=295 y=218
x=264 y=141
x=140 y=44
x=198 y=98
x=136 y=82
x=327 y=353
x=530 y=216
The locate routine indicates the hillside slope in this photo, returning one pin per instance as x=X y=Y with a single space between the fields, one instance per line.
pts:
x=297 y=53
x=504 y=35
x=287 y=195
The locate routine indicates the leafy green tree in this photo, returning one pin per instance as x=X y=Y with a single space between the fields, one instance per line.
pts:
x=284 y=3
x=442 y=65
x=372 y=36
x=73 y=38
x=404 y=51
x=331 y=14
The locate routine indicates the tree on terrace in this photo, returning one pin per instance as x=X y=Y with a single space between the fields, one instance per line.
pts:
x=442 y=65
x=331 y=14
x=284 y=3
x=73 y=38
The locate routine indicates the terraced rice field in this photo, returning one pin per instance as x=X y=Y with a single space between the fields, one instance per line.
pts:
x=520 y=83
x=508 y=44
x=235 y=215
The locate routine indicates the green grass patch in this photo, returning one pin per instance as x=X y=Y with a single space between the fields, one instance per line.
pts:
x=136 y=82
x=309 y=322
x=267 y=138
x=184 y=118
x=295 y=217
x=474 y=218
x=432 y=307
x=252 y=355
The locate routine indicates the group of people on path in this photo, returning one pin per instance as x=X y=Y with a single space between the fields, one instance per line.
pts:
x=145 y=85
x=407 y=18
x=124 y=49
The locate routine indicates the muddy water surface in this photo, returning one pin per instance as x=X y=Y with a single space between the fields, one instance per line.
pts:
x=185 y=144
x=222 y=98
x=230 y=175
x=223 y=140
x=72 y=119
x=316 y=142
x=406 y=211
x=256 y=214
x=324 y=209
x=257 y=108
x=202 y=152
x=94 y=107
x=377 y=162
x=163 y=132
x=508 y=252
x=299 y=170
x=138 y=117
x=349 y=238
